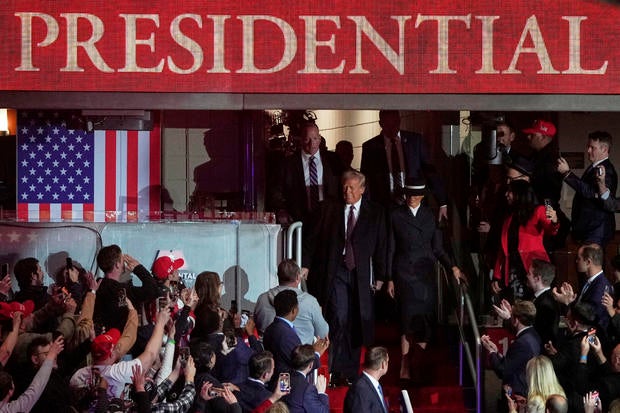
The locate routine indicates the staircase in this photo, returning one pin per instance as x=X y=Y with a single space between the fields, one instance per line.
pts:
x=435 y=387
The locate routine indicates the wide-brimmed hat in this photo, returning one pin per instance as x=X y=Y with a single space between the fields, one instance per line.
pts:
x=520 y=163
x=414 y=187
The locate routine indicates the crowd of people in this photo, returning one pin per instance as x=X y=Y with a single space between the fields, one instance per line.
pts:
x=87 y=344
x=549 y=366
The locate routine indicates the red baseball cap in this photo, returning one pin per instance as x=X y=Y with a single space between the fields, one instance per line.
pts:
x=102 y=344
x=7 y=309
x=164 y=266
x=543 y=127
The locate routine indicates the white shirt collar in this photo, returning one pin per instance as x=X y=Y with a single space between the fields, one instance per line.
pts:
x=306 y=156
x=356 y=205
x=539 y=292
x=414 y=211
x=374 y=381
x=591 y=279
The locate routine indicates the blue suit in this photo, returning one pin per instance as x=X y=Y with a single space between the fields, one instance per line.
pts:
x=592 y=223
x=363 y=397
x=511 y=368
x=251 y=393
x=593 y=296
x=281 y=340
x=304 y=397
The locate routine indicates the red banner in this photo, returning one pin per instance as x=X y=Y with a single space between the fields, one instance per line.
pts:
x=284 y=46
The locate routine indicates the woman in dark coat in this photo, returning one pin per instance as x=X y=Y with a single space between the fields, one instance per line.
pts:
x=415 y=245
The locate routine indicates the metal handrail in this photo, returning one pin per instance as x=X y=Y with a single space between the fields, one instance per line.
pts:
x=294 y=230
x=464 y=313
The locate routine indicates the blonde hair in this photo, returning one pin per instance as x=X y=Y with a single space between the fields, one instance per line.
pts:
x=278 y=407
x=542 y=383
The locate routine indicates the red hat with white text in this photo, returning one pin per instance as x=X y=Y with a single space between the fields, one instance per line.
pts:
x=543 y=127
x=165 y=265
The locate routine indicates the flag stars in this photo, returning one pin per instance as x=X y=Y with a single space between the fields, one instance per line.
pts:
x=63 y=171
x=48 y=171
x=24 y=147
x=63 y=139
x=48 y=139
x=55 y=163
x=86 y=180
x=55 y=196
x=48 y=188
x=32 y=188
x=63 y=155
x=87 y=147
x=70 y=179
x=78 y=155
x=78 y=139
x=40 y=147
x=63 y=188
x=71 y=163
x=78 y=188
x=24 y=163
x=24 y=196
x=71 y=147
x=24 y=179
x=55 y=130
x=39 y=179
x=32 y=236
x=78 y=171
x=32 y=171
x=71 y=196
x=86 y=196
x=40 y=130
x=55 y=180
x=48 y=155
x=32 y=155
x=39 y=195
x=24 y=130
x=55 y=147
x=86 y=164
x=40 y=164
x=14 y=236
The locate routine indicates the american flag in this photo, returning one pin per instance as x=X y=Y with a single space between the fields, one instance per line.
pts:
x=72 y=174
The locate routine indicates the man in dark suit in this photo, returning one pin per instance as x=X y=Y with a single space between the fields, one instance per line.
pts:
x=366 y=394
x=347 y=246
x=305 y=397
x=539 y=278
x=511 y=367
x=280 y=337
x=307 y=177
x=592 y=223
x=392 y=156
x=589 y=262
x=253 y=391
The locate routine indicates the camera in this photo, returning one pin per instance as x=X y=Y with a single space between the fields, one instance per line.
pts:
x=184 y=355
x=592 y=336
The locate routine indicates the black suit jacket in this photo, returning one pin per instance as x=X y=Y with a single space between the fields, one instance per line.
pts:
x=415 y=244
x=547 y=322
x=417 y=164
x=290 y=192
x=592 y=222
x=363 y=397
x=323 y=255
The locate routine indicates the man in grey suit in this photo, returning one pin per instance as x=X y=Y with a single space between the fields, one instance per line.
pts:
x=346 y=254
x=366 y=394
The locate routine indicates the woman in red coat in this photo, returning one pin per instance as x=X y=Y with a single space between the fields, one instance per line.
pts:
x=522 y=239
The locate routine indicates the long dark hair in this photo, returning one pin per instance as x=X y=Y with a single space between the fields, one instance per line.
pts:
x=524 y=200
